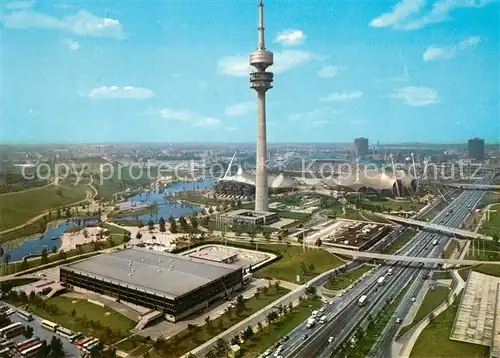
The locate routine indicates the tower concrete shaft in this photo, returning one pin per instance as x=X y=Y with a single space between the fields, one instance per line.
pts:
x=261 y=81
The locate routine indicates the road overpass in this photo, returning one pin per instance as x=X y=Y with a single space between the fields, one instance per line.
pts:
x=473 y=186
x=427 y=260
x=442 y=229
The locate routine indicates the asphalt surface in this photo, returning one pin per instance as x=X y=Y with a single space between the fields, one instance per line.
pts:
x=383 y=346
x=344 y=315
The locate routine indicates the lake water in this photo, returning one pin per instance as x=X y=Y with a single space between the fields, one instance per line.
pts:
x=35 y=245
x=166 y=208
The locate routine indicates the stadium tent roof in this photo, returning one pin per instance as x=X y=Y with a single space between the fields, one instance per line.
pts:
x=374 y=179
x=276 y=182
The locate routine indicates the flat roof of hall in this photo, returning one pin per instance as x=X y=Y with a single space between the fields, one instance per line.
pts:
x=150 y=271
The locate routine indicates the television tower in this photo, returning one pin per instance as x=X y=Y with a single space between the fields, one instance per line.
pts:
x=261 y=81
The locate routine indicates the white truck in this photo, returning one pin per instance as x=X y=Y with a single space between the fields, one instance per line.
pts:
x=310 y=323
x=323 y=319
x=381 y=280
x=362 y=300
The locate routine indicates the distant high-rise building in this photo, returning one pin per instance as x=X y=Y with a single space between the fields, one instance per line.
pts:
x=361 y=145
x=476 y=148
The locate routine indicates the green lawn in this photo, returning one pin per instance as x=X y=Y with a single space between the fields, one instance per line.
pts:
x=17 y=208
x=434 y=340
x=399 y=242
x=293 y=215
x=486 y=250
x=397 y=205
x=290 y=264
x=270 y=335
x=431 y=301
x=340 y=282
x=450 y=248
x=492 y=270
x=186 y=340
x=441 y=275
x=431 y=214
x=119 y=182
x=337 y=211
x=86 y=312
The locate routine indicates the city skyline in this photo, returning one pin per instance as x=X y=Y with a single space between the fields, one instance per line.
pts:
x=396 y=72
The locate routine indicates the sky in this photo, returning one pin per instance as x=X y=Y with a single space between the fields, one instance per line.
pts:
x=177 y=71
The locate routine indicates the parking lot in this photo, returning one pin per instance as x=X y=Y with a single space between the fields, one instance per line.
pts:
x=44 y=334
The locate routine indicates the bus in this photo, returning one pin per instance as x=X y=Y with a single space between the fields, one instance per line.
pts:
x=5 y=352
x=10 y=326
x=64 y=332
x=31 y=351
x=51 y=326
x=362 y=300
x=89 y=348
x=90 y=343
x=25 y=315
x=75 y=337
x=14 y=331
x=27 y=343
x=7 y=344
x=81 y=342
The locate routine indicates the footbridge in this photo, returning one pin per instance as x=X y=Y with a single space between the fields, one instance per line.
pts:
x=441 y=229
x=427 y=260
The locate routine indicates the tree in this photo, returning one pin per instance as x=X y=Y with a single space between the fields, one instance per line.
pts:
x=319 y=242
x=194 y=222
x=265 y=289
x=44 y=258
x=259 y=326
x=1 y=251
x=56 y=347
x=431 y=316
x=210 y=210
x=277 y=286
x=221 y=347
x=161 y=223
x=272 y=316
x=208 y=324
x=138 y=236
x=183 y=223
x=311 y=290
x=173 y=224
x=73 y=313
x=151 y=225
x=311 y=267
x=248 y=333
x=126 y=237
x=28 y=332
x=240 y=305
x=140 y=224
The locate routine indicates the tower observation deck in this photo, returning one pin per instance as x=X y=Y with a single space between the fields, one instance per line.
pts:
x=261 y=81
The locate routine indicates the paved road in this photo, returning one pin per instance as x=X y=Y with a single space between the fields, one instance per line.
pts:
x=461 y=211
x=346 y=314
x=431 y=260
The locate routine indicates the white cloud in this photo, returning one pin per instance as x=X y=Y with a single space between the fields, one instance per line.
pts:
x=19 y=5
x=240 y=109
x=330 y=71
x=416 y=96
x=206 y=122
x=72 y=45
x=83 y=23
x=181 y=115
x=401 y=11
x=320 y=123
x=115 y=92
x=314 y=115
x=283 y=61
x=342 y=96
x=436 y=53
x=410 y=14
x=290 y=37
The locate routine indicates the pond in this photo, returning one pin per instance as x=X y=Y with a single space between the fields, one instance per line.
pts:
x=166 y=206
x=52 y=237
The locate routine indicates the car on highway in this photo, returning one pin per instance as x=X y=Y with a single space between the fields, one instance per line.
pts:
x=267 y=353
x=331 y=339
x=413 y=299
x=305 y=336
x=398 y=320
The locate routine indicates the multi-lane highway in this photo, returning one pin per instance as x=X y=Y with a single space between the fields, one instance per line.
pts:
x=344 y=315
x=383 y=346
